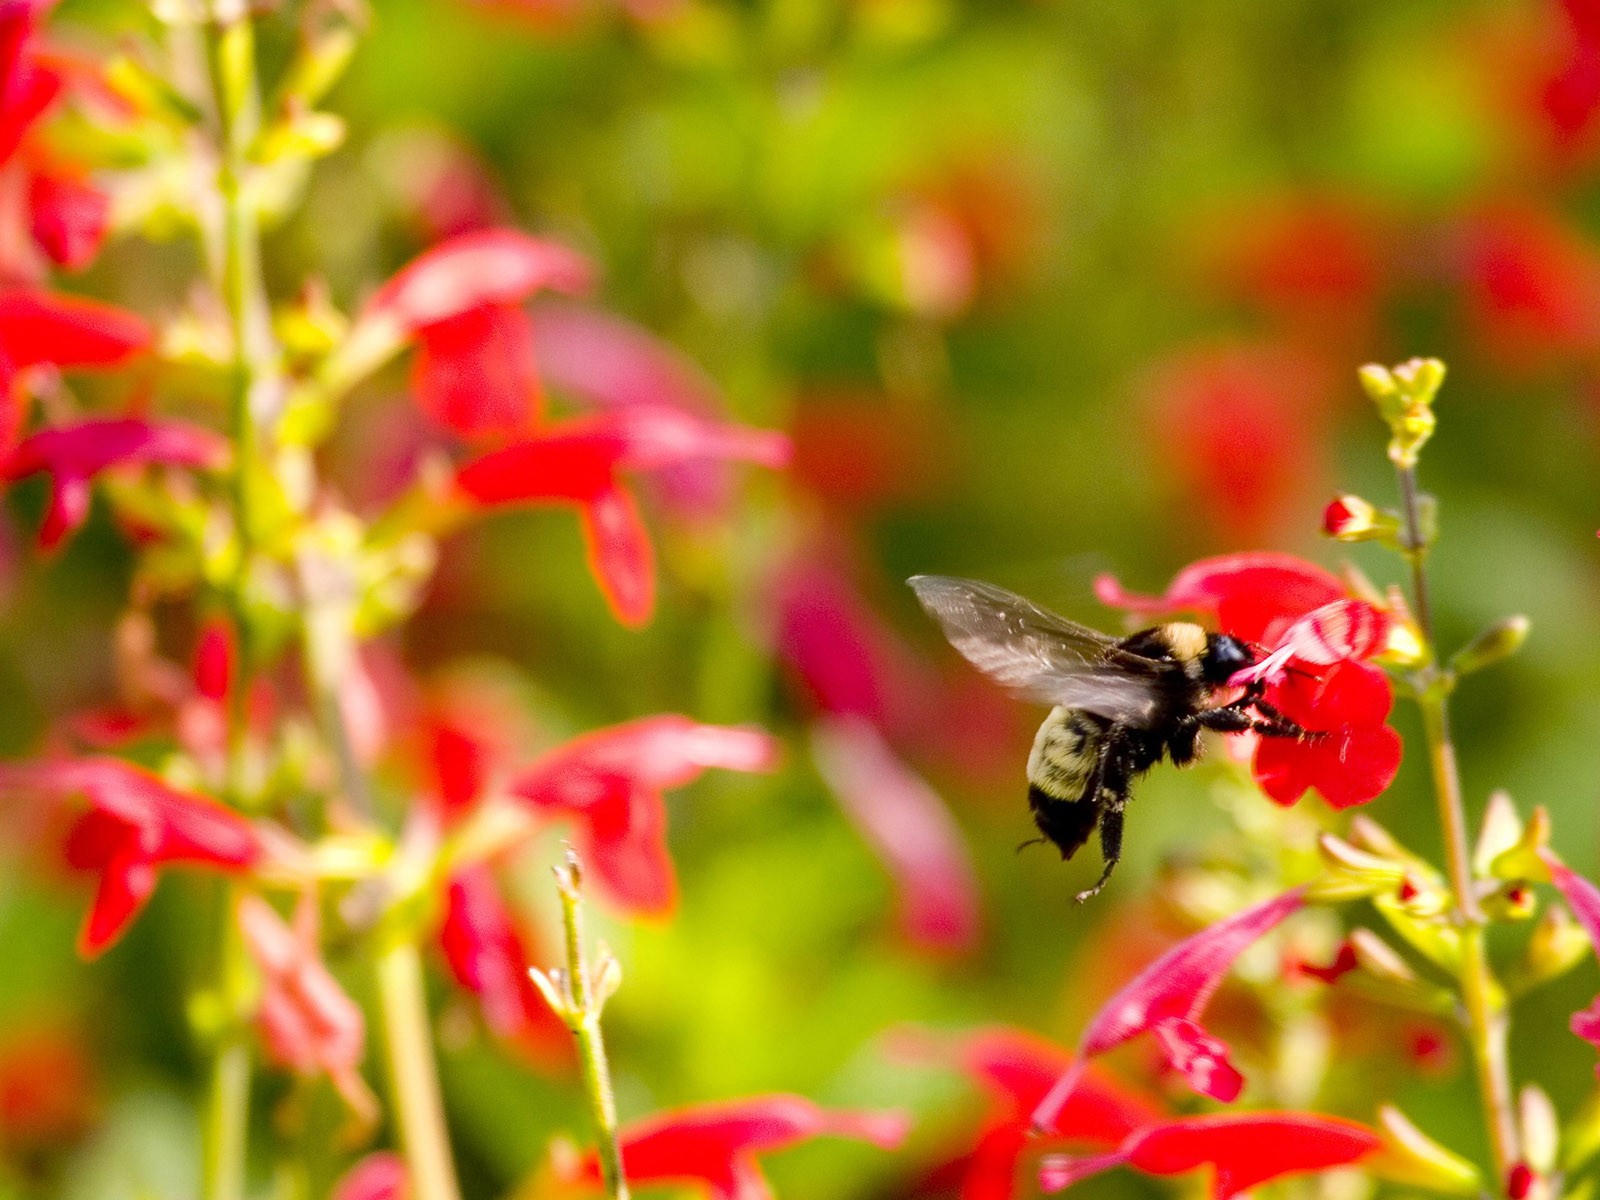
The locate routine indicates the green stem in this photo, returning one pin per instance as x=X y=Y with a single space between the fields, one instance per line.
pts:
x=227 y=1113
x=414 y=1081
x=582 y=1015
x=1483 y=999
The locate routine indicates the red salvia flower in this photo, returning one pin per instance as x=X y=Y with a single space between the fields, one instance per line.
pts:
x=68 y=331
x=581 y=463
x=1352 y=757
x=308 y=1023
x=713 y=1147
x=474 y=371
x=1583 y=898
x=1166 y=1000
x=380 y=1176
x=137 y=823
x=488 y=956
x=610 y=782
x=1244 y=1150
x=909 y=827
x=73 y=454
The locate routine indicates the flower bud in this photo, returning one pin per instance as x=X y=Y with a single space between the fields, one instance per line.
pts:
x=1404 y=396
x=1410 y=1156
x=1502 y=829
x=1415 y=914
x=1513 y=901
x=1541 y=1128
x=1349 y=518
x=1350 y=873
x=1498 y=641
x=1525 y=859
x=1556 y=945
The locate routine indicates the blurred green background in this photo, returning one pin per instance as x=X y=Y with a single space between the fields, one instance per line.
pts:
x=1042 y=289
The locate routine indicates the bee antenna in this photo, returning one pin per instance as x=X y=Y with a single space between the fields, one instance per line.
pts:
x=1021 y=846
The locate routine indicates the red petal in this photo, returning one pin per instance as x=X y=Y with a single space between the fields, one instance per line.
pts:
x=475 y=373
x=558 y=467
x=1334 y=632
x=379 y=1176
x=69 y=219
x=1356 y=766
x=39 y=327
x=620 y=555
x=472 y=270
x=1201 y=1059
x=85 y=448
x=1250 y=1149
x=908 y=826
x=1253 y=596
x=308 y=1023
x=126 y=881
x=1583 y=898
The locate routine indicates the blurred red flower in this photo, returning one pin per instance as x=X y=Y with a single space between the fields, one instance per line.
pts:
x=488 y=955
x=1167 y=999
x=474 y=371
x=380 y=1176
x=1583 y=898
x=713 y=1147
x=72 y=455
x=48 y=1085
x=65 y=215
x=1239 y=430
x=137 y=823
x=581 y=462
x=909 y=826
x=308 y=1024
x=1244 y=1150
x=610 y=783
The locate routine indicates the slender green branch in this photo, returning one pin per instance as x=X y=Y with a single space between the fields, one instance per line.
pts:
x=1483 y=999
x=579 y=993
x=414 y=1080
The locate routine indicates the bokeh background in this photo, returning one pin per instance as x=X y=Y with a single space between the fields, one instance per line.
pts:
x=1041 y=290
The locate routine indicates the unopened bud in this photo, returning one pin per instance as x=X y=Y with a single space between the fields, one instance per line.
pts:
x=1350 y=873
x=1526 y=858
x=1415 y=914
x=1541 y=1128
x=1556 y=945
x=606 y=979
x=1498 y=641
x=1409 y=1156
x=1404 y=396
x=1349 y=518
x=1376 y=957
x=1502 y=829
x=1512 y=901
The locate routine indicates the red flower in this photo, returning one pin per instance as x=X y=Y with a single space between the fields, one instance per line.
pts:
x=1354 y=755
x=581 y=463
x=487 y=955
x=1583 y=898
x=1252 y=596
x=48 y=1084
x=1017 y=1070
x=1245 y=1150
x=137 y=824
x=713 y=1147
x=73 y=454
x=611 y=782
x=910 y=828
x=1167 y=998
x=474 y=371
x=380 y=1176
x=308 y=1024
x=68 y=331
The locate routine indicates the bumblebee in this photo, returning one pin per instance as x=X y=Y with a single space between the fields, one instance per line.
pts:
x=1118 y=706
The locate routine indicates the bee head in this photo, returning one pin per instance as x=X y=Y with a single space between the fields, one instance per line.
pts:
x=1224 y=655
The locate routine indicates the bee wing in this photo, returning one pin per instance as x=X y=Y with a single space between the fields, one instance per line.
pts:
x=1037 y=654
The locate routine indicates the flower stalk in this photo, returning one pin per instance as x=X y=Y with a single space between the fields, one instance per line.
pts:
x=414 y=1079
x=578 y=994
x=1483 y=999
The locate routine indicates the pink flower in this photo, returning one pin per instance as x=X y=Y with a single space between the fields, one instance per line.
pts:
x=308 y=1024
x=1167 y=999
x=380 y=1176
x=474 y=371
x=610 y=783
x=909 y=826
x=1244 y=1150
x=713 y=1147
x=137 y=823
x=74 y=454
x=489 y=957
x=1583 y=898
x=1253 y=596
x=581 y=463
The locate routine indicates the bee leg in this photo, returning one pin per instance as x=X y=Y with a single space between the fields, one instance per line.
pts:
x=1110 y=843
x=1230 y=719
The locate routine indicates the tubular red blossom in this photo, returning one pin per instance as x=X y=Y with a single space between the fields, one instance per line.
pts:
x=610 y=782
x=488 y=956
x=475 y=373
x=73 y=454
x=68 y=218
x=1167 y=999
x=581 y=462
x=713 y=1147
x=1253 y=596
x=136 y=824
x=1341 y=630
x=1583 y=898
x=380 y=1176
x=1354 y=757
x=308 y=1024
x=1245 y=1150
x=68 y=331
x=909 y=826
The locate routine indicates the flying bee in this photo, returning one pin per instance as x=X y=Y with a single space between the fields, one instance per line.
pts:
x=1118 y=706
